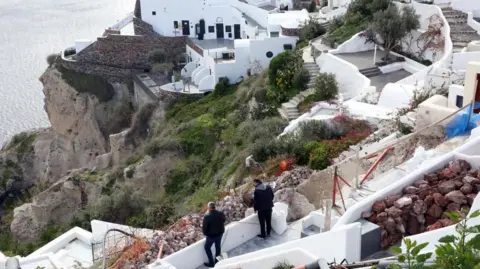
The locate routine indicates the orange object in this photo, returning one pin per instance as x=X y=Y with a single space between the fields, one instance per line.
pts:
x=284 y=165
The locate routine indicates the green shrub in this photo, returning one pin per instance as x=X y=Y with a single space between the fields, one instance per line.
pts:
x=22 y=142
x=91 y=84
x=326 y=86
x=222 y=87
x=157 y=56
x=51 y=58
x=281 y=72
x=319 y=130
x=301 y=44
x=311 y=29
x=319 y=157
x=301 y=79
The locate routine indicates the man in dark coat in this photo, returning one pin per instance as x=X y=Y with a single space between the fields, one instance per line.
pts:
x=213 y=229
x=263 y=204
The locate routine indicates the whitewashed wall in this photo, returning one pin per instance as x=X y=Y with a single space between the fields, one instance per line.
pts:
x=295 y=257
x=342 y=243
x=453 y=92
x=212 y=12
x=258 y=14
x=259 y=48
x=461 y=59
x=355 y=44
x=350 y=82
x=432 y=110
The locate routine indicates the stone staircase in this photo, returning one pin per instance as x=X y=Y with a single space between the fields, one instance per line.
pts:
x=289 y=110
x=325 y=25
x=460 y=32
x=371 y=72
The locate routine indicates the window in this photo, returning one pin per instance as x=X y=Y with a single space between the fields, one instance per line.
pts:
x=274 y=34
x=154 y=13
x=287 y=46
x=211 y=29
x=175 y=24
x=269 y=54
x=228 y=29
x=459 y=101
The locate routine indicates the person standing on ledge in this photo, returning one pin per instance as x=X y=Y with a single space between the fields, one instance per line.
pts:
x=213 y=229
x=263 y=204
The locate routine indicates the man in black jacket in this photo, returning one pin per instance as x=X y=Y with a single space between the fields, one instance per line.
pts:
x=263 y=204
x=213 y=229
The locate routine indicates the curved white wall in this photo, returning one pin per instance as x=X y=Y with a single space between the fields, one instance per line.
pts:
x=350 y=82
x=200 y=75
x=188 y=69
x=207 y=83
x=355 y=44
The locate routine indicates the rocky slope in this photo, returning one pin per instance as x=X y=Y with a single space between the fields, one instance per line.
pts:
x=33 y=161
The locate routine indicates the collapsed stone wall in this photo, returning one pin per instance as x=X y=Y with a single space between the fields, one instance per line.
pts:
x=421 y=207
x=128 y=52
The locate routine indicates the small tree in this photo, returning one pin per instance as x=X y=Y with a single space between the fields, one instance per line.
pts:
x=391 y=26
x=326 y=86
x=51 y=58
x=311 y=29
x=312 y=7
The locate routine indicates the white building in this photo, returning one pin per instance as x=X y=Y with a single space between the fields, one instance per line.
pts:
x=227 y=38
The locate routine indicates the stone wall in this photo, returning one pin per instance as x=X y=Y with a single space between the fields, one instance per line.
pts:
x=128 y=52
x=290 y=31
x=112 y=74
x=143 y=28
x=194 y=46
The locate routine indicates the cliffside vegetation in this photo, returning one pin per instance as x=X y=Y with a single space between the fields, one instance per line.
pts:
x=207 y=139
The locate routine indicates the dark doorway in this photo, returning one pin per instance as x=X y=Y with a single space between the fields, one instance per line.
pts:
x=236 y=31
x=219 y=30
x=477 y=94
x=186 y=27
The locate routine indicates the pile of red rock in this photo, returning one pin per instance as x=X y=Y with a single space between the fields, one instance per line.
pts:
x=421 y=207
x=292 y=178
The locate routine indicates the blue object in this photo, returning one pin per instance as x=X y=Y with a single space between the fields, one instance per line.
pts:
x=460 y=124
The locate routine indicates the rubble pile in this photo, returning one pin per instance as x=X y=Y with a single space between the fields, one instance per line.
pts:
x=421 y=207
x=293 y=178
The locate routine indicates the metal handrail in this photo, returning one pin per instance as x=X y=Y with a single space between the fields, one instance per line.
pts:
x=105 y=239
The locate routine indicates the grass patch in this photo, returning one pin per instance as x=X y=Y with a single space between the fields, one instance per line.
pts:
x=85 y=83
x=22 y=142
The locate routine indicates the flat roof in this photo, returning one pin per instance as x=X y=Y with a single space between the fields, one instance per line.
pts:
x=208 y=44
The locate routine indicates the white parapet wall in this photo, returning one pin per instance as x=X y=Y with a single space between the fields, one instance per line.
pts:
x=235 y=235
x=339 y=244
x=354 y=213
x=351 y=82
x=295 y=257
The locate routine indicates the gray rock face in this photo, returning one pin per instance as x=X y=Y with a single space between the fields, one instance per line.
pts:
x=57 y=204
x=298 y=205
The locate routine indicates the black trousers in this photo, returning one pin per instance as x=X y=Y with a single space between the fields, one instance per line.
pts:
x=265 y=219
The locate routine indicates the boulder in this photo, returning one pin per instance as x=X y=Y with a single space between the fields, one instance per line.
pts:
x=435 y=211
x=393 y=212
x=456 y=197
x=446 y=187
x=58 y=204
x=419 y=207
x=410 y=190
x=471 y=198
x=379 y=206
x=390 y=200
x=471 y=180
x=402 y=202
x=439 y=199
x=382 y=217
x=466 y=188
x=298 y=205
